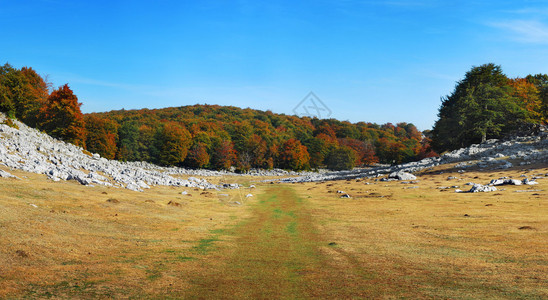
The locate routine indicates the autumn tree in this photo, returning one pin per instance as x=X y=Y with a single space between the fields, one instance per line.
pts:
x=253 y=154
x=22 y=93
x=327 y=132
x=173 y=142
x=364 y=150
x=294 y=155
x=33 y=95
x=197 y=156
x=393 y=151
x=426 y=150
x=224 y=155
x=369 y=156
x=527 y=96
x=101 y=136
x=541 y=83
x=62 y=118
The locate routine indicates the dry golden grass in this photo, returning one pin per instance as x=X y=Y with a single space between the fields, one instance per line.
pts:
x=288 y=241
x=66 y=240
x=429 y=243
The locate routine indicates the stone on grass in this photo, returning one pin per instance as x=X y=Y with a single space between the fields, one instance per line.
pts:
x=402 y=176
x=478 y=188
x=7 y=174
x=497 y=182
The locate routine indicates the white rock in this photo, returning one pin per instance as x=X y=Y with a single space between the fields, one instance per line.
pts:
x=477 y=188
x=7 y=174
x=402 y=176
x=529 y=182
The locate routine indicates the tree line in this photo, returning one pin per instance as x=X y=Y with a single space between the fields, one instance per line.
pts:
x=206 y=136
x=221 y=137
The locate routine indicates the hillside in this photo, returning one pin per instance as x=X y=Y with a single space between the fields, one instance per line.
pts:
x=220 y=137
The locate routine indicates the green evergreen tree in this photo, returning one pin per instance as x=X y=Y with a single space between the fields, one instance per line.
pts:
x=341 y=158
x=487 y=111
x=479 y=97
x=128 y=141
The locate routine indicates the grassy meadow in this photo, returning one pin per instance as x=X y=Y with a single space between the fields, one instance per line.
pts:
x=288 y=241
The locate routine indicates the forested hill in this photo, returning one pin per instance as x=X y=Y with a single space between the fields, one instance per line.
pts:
x=205 y=136
x=220 y=137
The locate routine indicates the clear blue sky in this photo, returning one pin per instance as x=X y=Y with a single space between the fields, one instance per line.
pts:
x=373 y=61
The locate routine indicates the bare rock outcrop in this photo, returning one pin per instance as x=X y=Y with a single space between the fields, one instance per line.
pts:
x=24 y=148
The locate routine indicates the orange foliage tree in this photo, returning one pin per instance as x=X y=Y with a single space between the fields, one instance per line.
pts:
x=36 y=94
x=101 y=136
x=198 y=156
x=22 y=93
x=526 y=95
x=224 y=155
x=365 y=152
x=62 y=118
x=257 y=150
x=294 y=155
x=173 y=142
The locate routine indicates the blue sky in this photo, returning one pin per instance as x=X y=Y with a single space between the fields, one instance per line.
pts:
x=373 y=61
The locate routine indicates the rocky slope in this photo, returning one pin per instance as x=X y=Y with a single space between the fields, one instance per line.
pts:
x=27 y=149
x=493 y=154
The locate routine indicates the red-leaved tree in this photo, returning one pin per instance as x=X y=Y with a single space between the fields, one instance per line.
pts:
x=294 y=155
x=62 y=118
x=198 y=156
x=224 y=155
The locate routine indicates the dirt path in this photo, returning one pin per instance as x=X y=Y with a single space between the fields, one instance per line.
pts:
x=278 y=254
